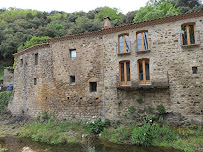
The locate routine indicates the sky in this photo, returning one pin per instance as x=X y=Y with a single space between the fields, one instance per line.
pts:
x=70 y=6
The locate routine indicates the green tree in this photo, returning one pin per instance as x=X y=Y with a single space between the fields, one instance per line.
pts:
x=155 y=9
x=187 y=5
x=33 y=41
x=113 y=13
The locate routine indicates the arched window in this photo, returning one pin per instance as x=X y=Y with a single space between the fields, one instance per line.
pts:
x=124 y=73
x=142 y=41
x=144 y=71
x=124 y=43
x=188 y=34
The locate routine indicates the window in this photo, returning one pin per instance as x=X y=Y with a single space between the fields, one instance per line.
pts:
x=35 y=81
x=124 y=46
x=125 y=73
x=144 y=71
x=36 y=59
x=194 y=70
x=142 y=41
x=72 y=79
x=21 y=62
x=73 y=53
x=188 y=34
x=93 y=86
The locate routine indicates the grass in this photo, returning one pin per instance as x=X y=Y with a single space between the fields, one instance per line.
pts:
x=53 y=132
x=48 y=130
x=3 y=149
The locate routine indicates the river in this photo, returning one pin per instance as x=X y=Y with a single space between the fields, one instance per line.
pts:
x=15 y=144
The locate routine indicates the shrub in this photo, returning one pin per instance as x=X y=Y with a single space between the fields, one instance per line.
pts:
x=5 y=97
x=148 y=109
x=131 y=109
x=142 y=136
x=140 y=101
x=161 y=109
x=96 y=126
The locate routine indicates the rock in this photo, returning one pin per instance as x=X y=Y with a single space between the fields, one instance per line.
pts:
x=27 y=149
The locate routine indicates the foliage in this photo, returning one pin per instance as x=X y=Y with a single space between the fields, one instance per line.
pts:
x=33 y=41
x=161 y=109
x=52 y=131
x=131 y=109
x=10 y=69
x=155 y=9
x=140 y=101
x=113 y=13
x=3 y=149
x=148 y=109
x=142 y=136
x=92 y=149
x=5 y=97
x=96 y=126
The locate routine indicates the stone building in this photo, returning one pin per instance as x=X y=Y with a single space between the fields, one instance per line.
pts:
x=105 y=72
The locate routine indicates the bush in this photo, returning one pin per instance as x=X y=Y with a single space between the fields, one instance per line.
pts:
x=140 y=101
x=131 y=109
x=96 y=126
x=142 y=136
x=5 y=97
x=161 y=109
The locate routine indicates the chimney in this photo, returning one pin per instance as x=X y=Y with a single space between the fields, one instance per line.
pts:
x=107 y=22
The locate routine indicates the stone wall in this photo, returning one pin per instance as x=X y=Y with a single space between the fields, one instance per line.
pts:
x=97 y=60
x=8 y=78
x=173 y=83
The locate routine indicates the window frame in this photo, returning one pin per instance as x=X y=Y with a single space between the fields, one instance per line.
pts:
x=36 y=58
x=125 y=82
x=124 y=49
x=144 y=81
x=188 y=34
x=142 y=40
x=91 y=86
x=71 y=78
x=71 y=50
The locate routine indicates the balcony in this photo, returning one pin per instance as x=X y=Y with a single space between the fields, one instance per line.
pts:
x=155 y=84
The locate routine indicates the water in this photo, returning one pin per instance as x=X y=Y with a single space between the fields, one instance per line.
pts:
x=14 y=144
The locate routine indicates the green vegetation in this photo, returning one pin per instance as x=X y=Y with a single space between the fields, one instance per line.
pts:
x=18 y=26
x=3 y=149
x=140 y=101
x=131 y=109
x=49 y=130
x=2 y=65
x=33 y=41
x=5 y=97
x=52 y=131
x=156 y=9
x=161 y=109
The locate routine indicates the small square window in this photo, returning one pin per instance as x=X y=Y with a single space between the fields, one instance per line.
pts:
x=21 y=62
x=36 y=59
x=93 y=86
x=73 y=53
x=35 y=81
x=72 y=79
x=194 y=70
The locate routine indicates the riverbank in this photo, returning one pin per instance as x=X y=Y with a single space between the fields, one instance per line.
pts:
x=48 y=130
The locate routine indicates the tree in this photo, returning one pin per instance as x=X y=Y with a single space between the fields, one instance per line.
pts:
x=33 y=41
x=187 y=5
x=113 y=13
x=155 y=9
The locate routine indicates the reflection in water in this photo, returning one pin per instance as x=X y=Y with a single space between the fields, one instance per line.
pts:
x=14 y=144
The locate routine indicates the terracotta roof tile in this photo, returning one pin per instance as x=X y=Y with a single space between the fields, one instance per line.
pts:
x=38 y=46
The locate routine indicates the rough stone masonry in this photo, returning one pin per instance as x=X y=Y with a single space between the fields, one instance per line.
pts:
x=79 y=76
